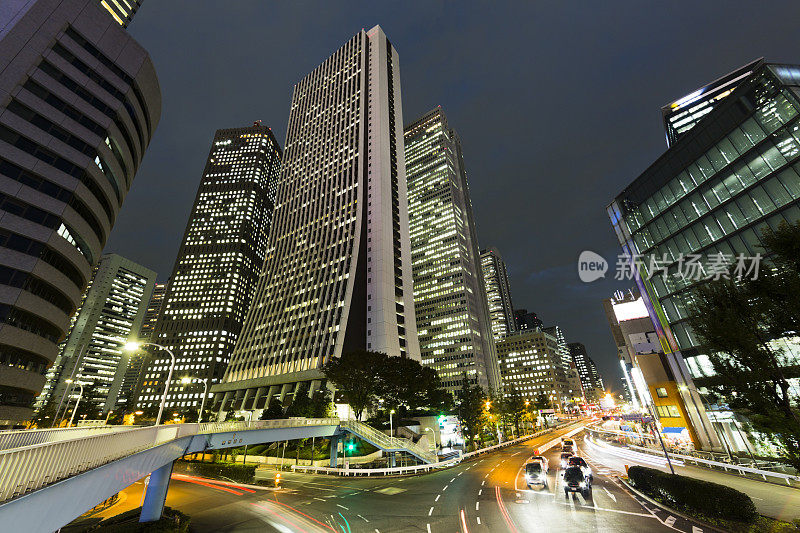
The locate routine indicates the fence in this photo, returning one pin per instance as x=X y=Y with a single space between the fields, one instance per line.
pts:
x=30 y=437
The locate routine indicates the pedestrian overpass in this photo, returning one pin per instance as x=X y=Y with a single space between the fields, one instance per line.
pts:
x=50 y=477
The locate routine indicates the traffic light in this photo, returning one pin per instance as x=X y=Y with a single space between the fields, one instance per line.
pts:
x=351 y=446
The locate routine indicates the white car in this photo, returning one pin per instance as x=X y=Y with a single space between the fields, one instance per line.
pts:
x=542 y=459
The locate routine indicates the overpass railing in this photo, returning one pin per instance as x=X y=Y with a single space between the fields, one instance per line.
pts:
x=385 y=442
x=30 y=437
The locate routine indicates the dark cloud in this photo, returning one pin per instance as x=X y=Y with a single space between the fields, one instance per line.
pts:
x=557 y=105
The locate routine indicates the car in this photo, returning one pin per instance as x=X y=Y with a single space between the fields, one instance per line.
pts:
x=581 y=463
x=576 y=481
x=567 y=442
x=568 y=448
x=542 y=459
x=535 y=474
x=564 y=458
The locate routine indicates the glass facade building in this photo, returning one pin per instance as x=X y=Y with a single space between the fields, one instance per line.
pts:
x=590 y=378
x=121 y=10
x=713 y=192
x=217 y=266
x=337 y=276
x=80 y=102
x=111 y=314
x=453 y=326
x=498 y=293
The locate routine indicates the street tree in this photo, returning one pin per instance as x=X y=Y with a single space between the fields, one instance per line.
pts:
x=471 y=403
x=736 y=322
x=357 y=376
x=273 y=411
x=514 y=407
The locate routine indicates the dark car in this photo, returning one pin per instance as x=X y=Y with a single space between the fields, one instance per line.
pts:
x=564 y=458
x=576 y=481
x=581 y=463
x=535 y=474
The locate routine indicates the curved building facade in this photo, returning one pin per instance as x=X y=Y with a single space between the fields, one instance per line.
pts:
x=79 y=101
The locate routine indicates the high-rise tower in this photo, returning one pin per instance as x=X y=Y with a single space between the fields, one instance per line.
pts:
x=498 y=293
x=455 y=333
x=79 y=102
x=338 y=271
x=111 y=314
x=217 y=267
x=121 y=10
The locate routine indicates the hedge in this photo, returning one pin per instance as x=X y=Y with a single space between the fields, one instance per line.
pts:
x=239 y=473
x=694 y=495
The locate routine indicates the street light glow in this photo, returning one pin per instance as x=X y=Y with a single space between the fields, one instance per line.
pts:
x=132 y=346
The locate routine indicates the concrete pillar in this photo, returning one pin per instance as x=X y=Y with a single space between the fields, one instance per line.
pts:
x=156 y=494
x=245 y=398
x=334 y=450
x=392 y=459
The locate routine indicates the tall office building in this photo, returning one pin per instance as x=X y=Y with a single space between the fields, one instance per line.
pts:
x=338 y=271
x=530 y=361
x=79 y=101
x=713 y=192
x=111 y=315
x=132 y=381
x=525 y=320
x=574 y=385
x=498 y=293
x=590 y=378
x=121 y=10
x=217 y=266
x=455 y=334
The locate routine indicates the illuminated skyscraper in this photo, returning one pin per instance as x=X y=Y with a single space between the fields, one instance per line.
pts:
x=80 y=103
x=455 y=334
x=217 y=267
x=498 y=293
x=338 y=271
x=121 y=10
x=111 y=314
x=590 y=378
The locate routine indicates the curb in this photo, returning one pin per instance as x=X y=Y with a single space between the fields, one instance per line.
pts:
x=669 y=509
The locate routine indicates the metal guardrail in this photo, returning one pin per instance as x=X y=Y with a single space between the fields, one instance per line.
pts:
x=386 y=442
x=698 y=461
x=30 y=437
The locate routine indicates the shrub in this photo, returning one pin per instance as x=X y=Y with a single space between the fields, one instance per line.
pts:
x=239 y=473
x=694 y=495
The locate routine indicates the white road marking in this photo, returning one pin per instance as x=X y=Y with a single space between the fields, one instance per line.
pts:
x=487 y=475
x=610 y=495
x=437 y=497
x=320 y=499
x=612 y=510
x=429 y=528
x=483 y=483
x=480 y=491
x=430 y=512
x=460 y=473
x=670 y=521
x=343 y=507
x=479 y=520
x=477 y=504
x=696 y=529
x=362 y=518
x=445 y=488
x=452 y=480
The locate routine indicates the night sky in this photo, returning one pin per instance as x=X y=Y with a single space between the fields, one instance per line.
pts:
x=557 y=105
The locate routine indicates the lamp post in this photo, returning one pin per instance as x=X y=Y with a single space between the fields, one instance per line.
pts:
x=391 y=427
x=188 y=380
x=72 y=375
x=80 y=395
x=133 y=346
x=435 y=448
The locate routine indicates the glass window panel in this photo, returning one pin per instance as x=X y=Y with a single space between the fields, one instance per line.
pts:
x=768 y=116
x=749 y=209
x=669 y=197
x=728 y=151
x=681 y=244
x=691 y=238
x=721 y=191
x=705 y=167
x=725 y=222
x=713 y=229
x=717 y=159
x=654 y=231
x=661 y=203
x=794 y=129
x=738 y=245
x=695 y=174
x=753 y=242
x=740 y=140
x=711 y=198
x=700 y=206
x=777 y=192
x=672 y=223
x=774 y=158
x=753 y=131
x=745 y=175
x=702 y=235
x=726 y=248
x=662 y=228
x=641 y=244
x=648 y=208
x=791 y=213
x=762 y=200
x=775 y=221
x=669 y=308
x=685 y=181
x=787 y=145
x=688 y=210
x=679 y=216
x=759 y=166
x=677 y=190
x=784 y=108
x=733 y=184
x=735 y=214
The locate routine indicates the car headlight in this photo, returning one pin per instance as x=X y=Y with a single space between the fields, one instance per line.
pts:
x=583 y=484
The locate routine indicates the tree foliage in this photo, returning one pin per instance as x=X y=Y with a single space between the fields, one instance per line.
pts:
x=514 y=407
x=471 y=403
x=273 y=411
x=736 y=322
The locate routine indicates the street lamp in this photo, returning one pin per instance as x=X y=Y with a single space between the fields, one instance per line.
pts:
x=187 y=380
x=133 y=346
x=80 y=395
x=391 y=427
x=434 y=439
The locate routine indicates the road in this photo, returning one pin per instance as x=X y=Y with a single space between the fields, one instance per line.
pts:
x=487 y=494
x=777 y=501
